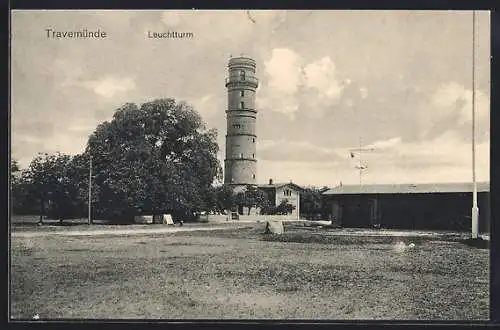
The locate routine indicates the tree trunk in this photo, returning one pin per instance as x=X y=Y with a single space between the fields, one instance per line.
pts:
x=42 y=211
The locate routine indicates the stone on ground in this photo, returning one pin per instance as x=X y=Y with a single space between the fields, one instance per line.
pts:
x=274 y=227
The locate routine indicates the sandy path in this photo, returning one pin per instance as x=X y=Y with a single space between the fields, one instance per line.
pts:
x=136 y=231
x=232 y=225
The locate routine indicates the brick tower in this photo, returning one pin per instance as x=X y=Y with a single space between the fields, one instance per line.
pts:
x=240 y=164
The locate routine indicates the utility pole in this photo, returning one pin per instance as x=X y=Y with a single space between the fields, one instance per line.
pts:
x=475 y=208
x=90 y=190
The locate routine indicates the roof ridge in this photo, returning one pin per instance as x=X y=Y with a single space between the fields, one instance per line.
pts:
x=427 y=187
x=412 y=184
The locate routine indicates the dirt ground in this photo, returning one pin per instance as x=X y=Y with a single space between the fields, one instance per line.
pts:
x=238 y=273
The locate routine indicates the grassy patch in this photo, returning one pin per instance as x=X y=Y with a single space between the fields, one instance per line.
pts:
x=238 y=274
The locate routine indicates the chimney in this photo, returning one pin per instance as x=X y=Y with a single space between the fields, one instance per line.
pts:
x=270 y=181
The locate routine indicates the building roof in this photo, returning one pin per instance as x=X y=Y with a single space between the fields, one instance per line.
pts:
x=420 y=188
x=279 y=185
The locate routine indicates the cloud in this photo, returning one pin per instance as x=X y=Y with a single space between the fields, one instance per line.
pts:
x=418 y=90
x=110 y=86
x=447 y=151
x=392 y=160
x=291 y=84
x=67 y=73
x=451 y=105
x=26 y=146
x=284 y=70
x=321 y=75
x=227 y=28
x=384 y=144
x=202 y=102
x=296 y=151
x=446 y=95
x=364 y=92
x=211 y=108
x=66 y=142
x=379 y=146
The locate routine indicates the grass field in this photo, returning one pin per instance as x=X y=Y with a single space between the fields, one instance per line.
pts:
x=238 y=274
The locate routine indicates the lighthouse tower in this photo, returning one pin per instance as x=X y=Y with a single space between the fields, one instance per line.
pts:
x=240 y=164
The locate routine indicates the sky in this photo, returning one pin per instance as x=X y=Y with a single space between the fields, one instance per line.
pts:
x=396 y=83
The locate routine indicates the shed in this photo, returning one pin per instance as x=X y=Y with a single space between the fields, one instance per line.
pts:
x=432 y=206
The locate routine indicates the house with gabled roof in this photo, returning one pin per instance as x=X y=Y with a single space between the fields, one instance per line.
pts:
x=278 y=192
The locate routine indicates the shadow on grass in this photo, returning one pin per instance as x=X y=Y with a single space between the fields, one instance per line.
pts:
x=78 y=250
x=65 y=224
x=478 y=243
x=308 y=237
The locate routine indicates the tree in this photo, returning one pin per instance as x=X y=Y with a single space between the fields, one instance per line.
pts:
x=16 y=187
x=14 y=168
x=15 y=171
x=154 y=159
x=220 y=198
x=49 y=183
x=284 y=207
x=267 y=208
x=311 y=202
x=254 y=197
x=250 y=197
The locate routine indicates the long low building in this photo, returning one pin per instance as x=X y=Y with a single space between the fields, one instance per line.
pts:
x=439 y=206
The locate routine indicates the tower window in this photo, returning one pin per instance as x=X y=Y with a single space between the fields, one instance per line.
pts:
x=253 y=140
x=242 y=93
x=242 y=105
x=242 y=75
x=253 y=176
x=253 y=155
x=237 y=126
x=241 y=155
